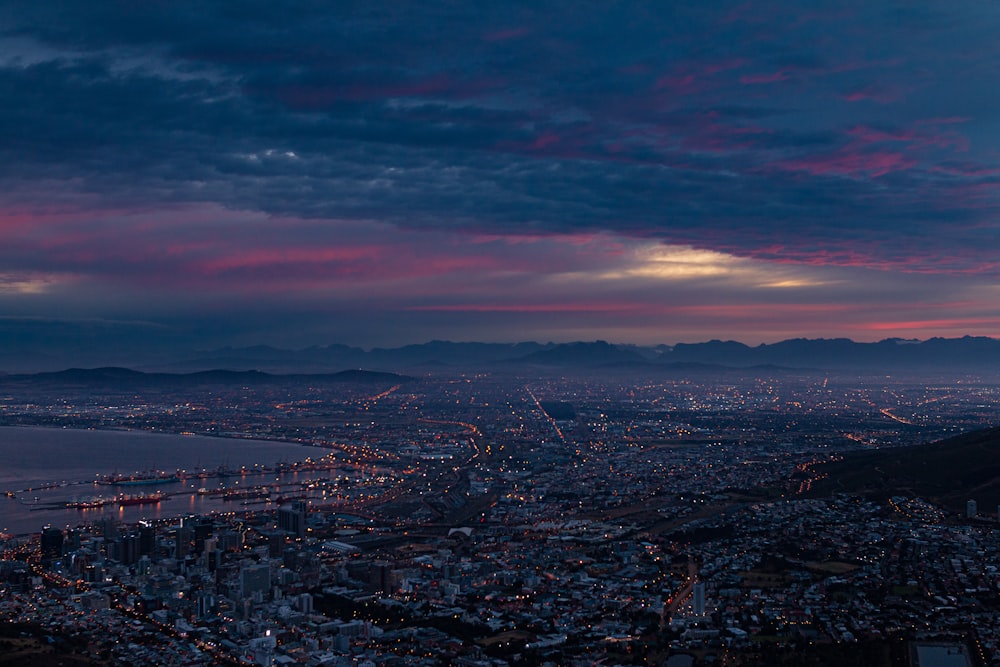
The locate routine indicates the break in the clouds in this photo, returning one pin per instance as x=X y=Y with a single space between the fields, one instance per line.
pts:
x=389 y=172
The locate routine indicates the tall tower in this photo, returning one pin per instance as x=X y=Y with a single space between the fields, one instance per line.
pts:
x=147 y=537
x=51 y=543
x=292 y=519
x=699 y=598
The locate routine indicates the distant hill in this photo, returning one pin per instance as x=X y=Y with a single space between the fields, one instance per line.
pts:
x=598 y=353
x=359 y=375
x=948 y=472
x=972 y=354
x=980 y=355
x=115 y=376
x=434 y=354
x=967 y=354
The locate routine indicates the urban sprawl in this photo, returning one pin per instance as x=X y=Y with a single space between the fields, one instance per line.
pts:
x=491 y=520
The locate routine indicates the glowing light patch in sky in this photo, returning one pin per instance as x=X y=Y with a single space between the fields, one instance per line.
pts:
x=19 y=284
x=679 y=263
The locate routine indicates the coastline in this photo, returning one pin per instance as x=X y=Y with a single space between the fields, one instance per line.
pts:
x=53 y=463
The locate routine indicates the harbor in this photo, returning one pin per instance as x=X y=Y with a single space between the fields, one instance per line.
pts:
x=65 y=476
x=80 y=494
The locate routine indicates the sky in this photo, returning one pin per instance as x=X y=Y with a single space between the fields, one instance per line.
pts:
x=391 y=172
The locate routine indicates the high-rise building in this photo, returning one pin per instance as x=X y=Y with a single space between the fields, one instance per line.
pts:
x=698 y=595
x=255 y=579
x=72 y=542
x=147 y=537
x=380 y=576
x=206 y=604
x=129 y=551
x=275 y=543
x=51 y=543
x=183 y=537
x=292 y=518
x=230 y=540
x=109 y=527
x=970 y=509
x=202 y=531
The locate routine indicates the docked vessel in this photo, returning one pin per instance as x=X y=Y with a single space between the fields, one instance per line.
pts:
x=139 y=479
x=122 y=500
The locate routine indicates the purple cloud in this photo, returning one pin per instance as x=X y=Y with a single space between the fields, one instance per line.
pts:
x=233 y=150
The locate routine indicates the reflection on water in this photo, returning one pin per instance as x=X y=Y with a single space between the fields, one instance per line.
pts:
x=67 y=464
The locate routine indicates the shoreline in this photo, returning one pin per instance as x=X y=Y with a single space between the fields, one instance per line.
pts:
x=71 y=447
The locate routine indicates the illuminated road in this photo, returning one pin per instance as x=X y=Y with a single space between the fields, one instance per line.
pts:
x=674 y=602
x=888 y=413
x=552 y=421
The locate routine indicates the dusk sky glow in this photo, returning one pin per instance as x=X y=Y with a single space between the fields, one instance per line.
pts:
x=383 y=173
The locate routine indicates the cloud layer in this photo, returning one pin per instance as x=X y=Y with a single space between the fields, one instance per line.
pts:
x=547 y=169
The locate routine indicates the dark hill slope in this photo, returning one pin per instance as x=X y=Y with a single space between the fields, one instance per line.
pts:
x=948 y=472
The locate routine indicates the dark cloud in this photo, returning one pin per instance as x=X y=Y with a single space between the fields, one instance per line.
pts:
x=824 y=134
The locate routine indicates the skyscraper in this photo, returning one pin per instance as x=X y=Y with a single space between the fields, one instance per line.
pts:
x=699 y=598
x=292 y=519
x=51 y=543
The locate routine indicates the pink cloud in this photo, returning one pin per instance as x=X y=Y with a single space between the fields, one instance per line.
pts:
x=707 y=134
x=761 y=310
x=217 y=250
x=580 y=141
x=983 y=196
x=575 y=238
x=756 y=79
x=729 y=311
x=881 y=95
x=677 y=82
x=43 y=215
x=961 y=323
x=918 y=139
x=850 y=161
x=967 y=170
x=608 y=307
x=870 y=135
x=695 y=77
x=545 y=139
x=277 y=257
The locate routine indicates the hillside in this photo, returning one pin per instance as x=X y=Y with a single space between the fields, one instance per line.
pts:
x=948 y=472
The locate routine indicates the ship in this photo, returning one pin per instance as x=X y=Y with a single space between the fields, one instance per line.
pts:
x=139 y=479
x=122 y=500
x=220 y=472
x=245 y=494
